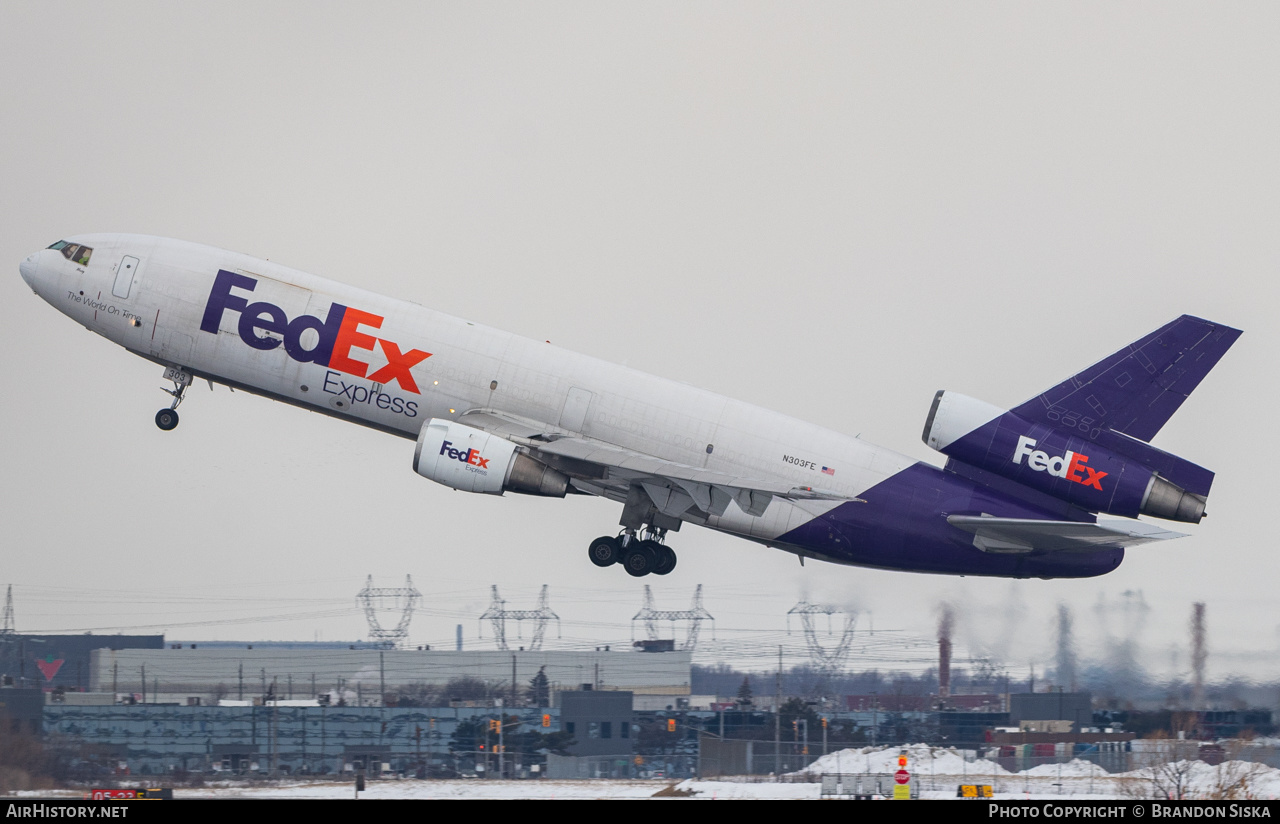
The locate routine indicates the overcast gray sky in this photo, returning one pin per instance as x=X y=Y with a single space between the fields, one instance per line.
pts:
x=828 y=209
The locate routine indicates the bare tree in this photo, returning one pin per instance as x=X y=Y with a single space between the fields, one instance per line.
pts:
x=420 y=694
x=1237 y=778
x=1171 y=776
x=1169 y=763
x=467 y=688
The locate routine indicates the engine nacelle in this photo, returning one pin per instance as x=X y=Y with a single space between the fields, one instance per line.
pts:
x=463 y=457
x=1053 y=461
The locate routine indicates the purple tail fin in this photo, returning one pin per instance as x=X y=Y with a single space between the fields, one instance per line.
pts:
x=1122 y=400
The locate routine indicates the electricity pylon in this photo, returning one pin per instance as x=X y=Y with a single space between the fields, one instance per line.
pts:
x=695 y=615
x=499 y=615
x=388 y=599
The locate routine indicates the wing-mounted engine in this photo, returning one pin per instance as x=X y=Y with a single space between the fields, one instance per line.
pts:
x=1066 y=463
x=465 y=458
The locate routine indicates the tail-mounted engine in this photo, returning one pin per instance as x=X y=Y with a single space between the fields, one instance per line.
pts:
x=466 y=458
x=1055 y=461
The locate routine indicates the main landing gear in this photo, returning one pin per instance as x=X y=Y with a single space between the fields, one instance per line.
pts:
x=167 y=419
x=638 y=556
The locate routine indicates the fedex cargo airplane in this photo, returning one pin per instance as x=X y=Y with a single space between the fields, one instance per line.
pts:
x=492 y=412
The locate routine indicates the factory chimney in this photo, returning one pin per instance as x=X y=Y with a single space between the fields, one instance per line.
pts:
x=944 y=652
x=1198 y=656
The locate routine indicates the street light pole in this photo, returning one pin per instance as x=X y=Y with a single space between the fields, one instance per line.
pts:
x=498 y=701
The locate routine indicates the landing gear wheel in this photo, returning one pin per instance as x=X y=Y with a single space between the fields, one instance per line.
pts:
x=167 y=419
x=666 y=560
x=640 y=560
x=604 y=551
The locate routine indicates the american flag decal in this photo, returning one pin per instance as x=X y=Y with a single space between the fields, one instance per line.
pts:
x=826 y=470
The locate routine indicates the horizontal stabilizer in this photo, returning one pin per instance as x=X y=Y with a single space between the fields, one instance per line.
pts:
x=1020 y=535
x=1137 y=389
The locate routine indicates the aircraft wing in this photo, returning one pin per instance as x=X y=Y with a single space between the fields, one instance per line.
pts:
x=1020 y=535
x=511 y=427
x=600 y=468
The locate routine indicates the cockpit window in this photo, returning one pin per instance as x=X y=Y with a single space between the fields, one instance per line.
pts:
x=74 y=252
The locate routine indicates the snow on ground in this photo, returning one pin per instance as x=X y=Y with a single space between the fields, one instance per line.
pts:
x=1074 y=780
x=408 y=789
x=1075 y=768
x=937 y=773
x=448 y=790
x=921 y=759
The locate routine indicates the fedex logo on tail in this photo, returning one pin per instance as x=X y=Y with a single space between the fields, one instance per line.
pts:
x=339 y=338
x=1069 y=466
x=469 y=456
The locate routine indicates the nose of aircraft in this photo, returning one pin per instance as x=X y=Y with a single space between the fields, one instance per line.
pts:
x=29 y=268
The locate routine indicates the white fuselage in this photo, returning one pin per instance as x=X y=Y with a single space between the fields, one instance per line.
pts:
x=419 y=364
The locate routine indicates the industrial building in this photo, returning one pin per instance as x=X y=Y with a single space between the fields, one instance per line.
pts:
x=53 y=661
x=136 y=705
x=194 y=674
x=151 y=739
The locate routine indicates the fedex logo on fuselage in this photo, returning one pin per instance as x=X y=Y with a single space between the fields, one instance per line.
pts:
x=339 y=338
x=469 y=456
x=1067 y=466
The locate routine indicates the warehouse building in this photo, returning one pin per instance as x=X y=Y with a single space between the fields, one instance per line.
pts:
x=60 y=661
x=154 y=739
x=360 y=677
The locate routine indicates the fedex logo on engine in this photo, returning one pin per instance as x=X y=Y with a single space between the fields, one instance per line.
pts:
x=1067 y=466
x=470 y=456
x=338 y=338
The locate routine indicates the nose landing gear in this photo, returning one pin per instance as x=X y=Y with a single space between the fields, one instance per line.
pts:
x=167 y=419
